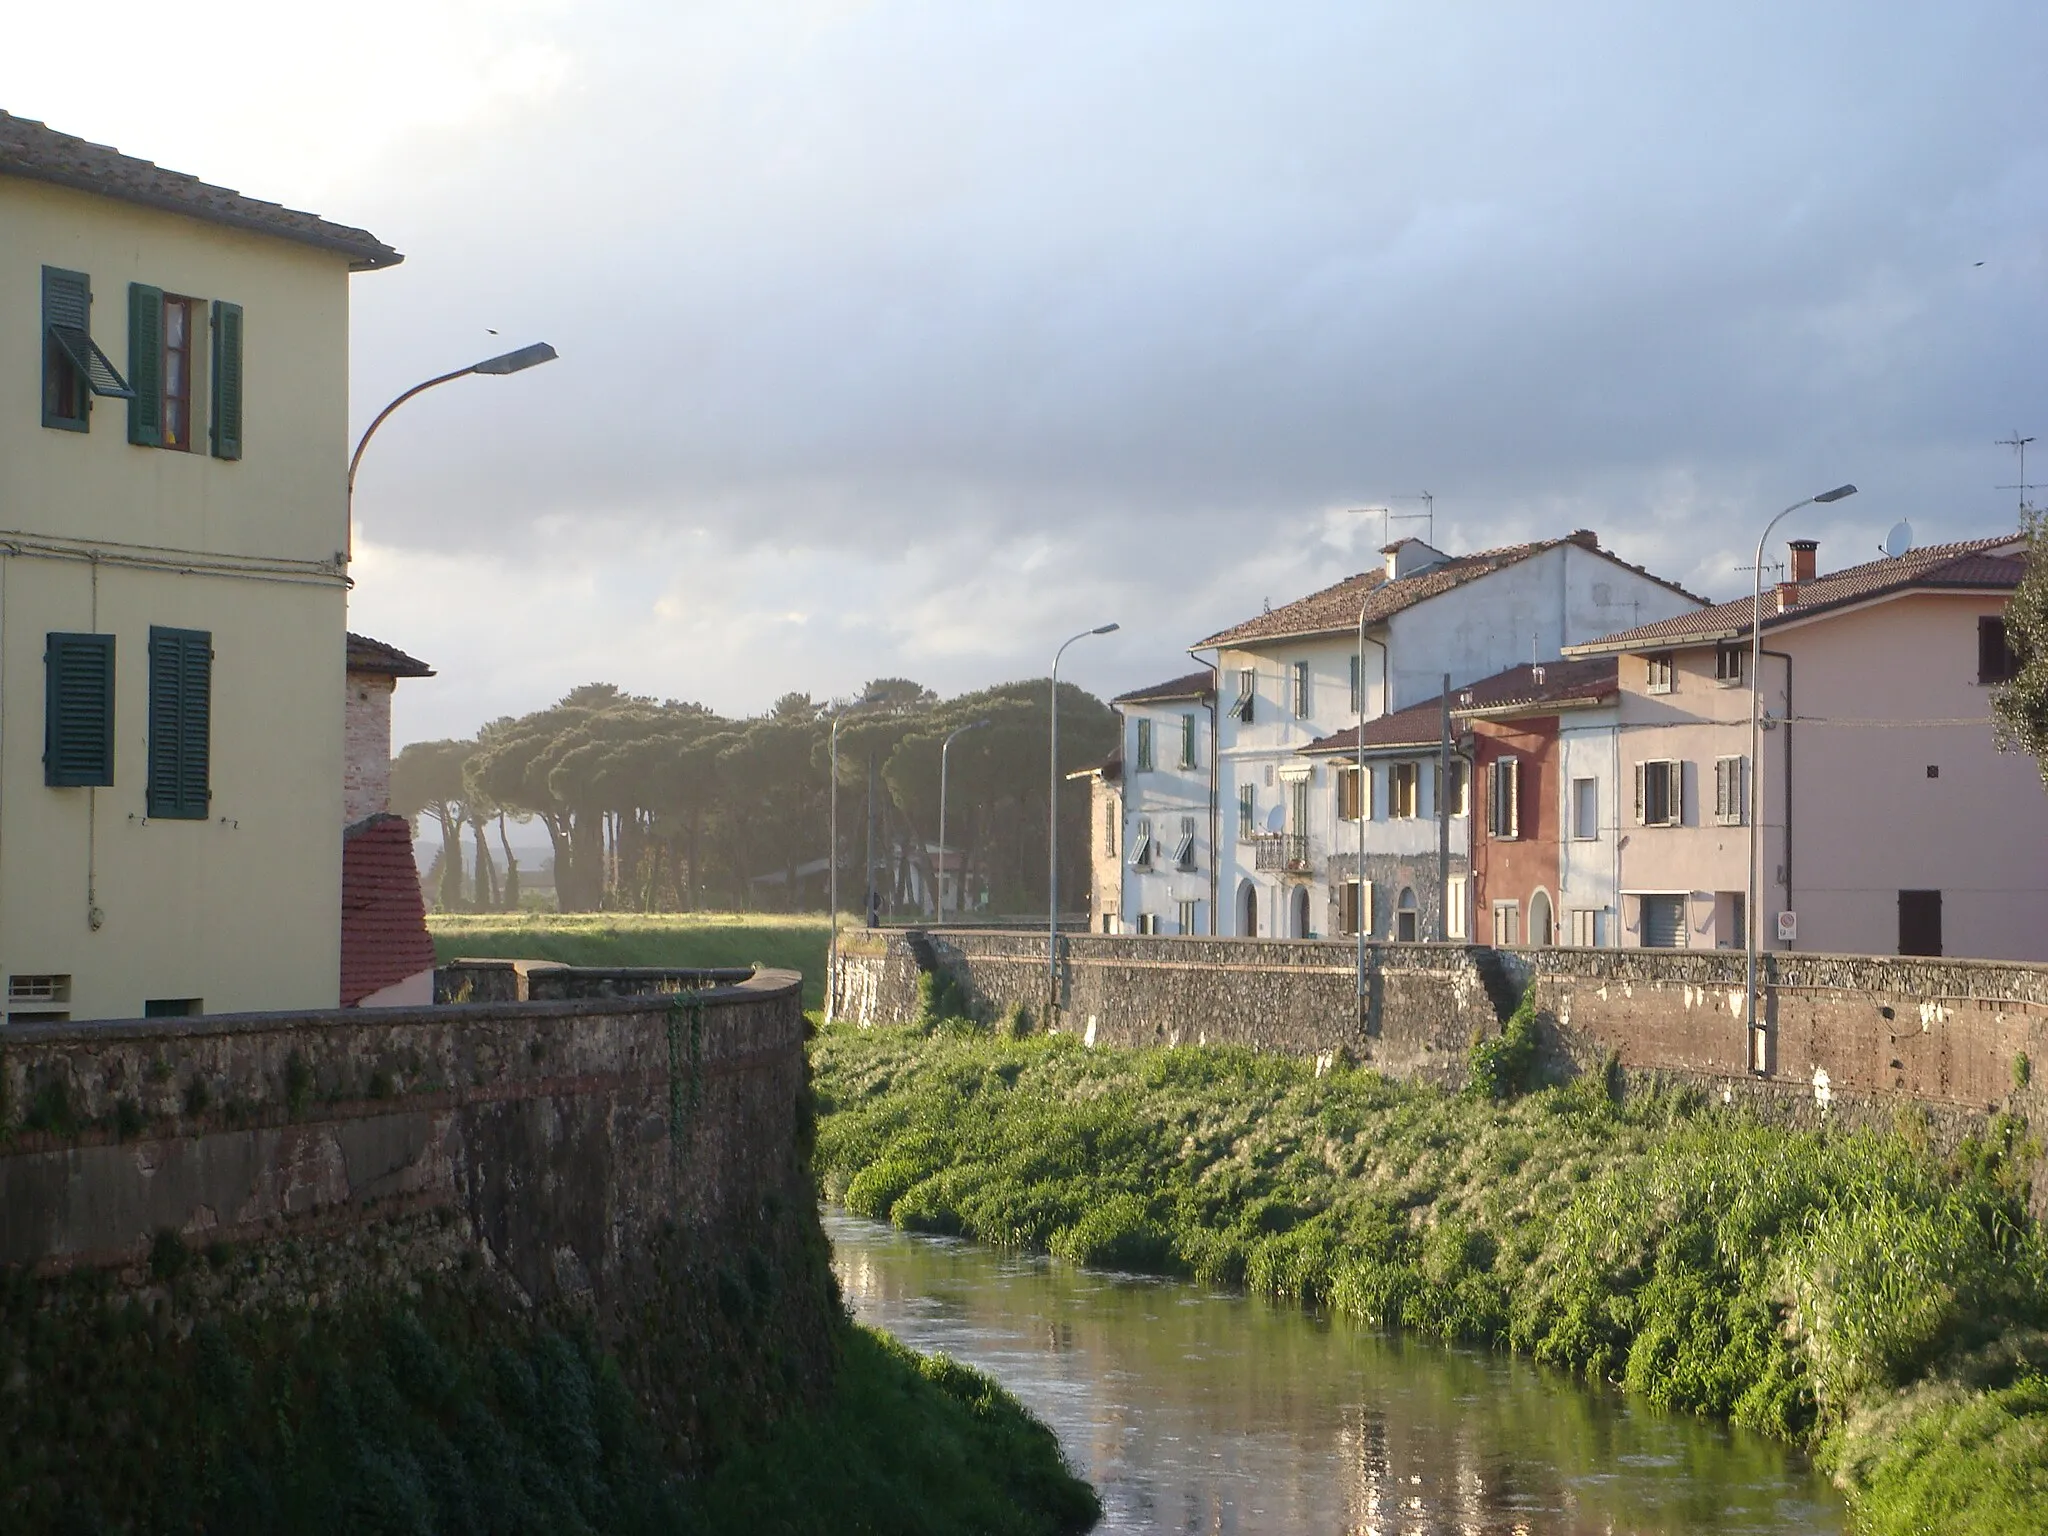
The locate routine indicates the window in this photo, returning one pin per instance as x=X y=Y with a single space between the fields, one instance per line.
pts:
x=1731 y=803
x=1731 y=919
x=1247 y=812
x=1187 y=741
x=1109 y=828
x=1402 y=782
x=1349 y=782
x=1663 y=922
x=162 y=333
x=172 y=1008
x=1297 y=806
x=1141 y=844
x=1585 y=809
x=180 y=722
x=1187 y=916
x=1247 y=691
x=1660 y=793
x=1184 y=851
x=1301 y=690
x=1357 y=686
x=1589 y=927
x=1507 y=924
x=1144 y=751
x=1730 y=662
x=1461 y=788
x=1148 y=922
x=227 y=380
x=1407 y=918
x=1454 y=907
x=1920 y=922
x=74 y=368
x=1996 y=662
x=78 y=710
x=1659 y=672
x=1504 y=811
x=38 y=999
x=1354 y=899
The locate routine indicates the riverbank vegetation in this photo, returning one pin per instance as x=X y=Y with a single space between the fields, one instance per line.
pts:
x=1851 y=1290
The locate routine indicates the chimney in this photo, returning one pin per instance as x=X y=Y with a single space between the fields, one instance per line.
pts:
x=1788 y=595
x=1805 y=552
x=1585 y=538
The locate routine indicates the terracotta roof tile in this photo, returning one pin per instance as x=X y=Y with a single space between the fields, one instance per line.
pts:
x=1517 y=690
x=1419 y=725
x=367 y=655
x=1969 y=565
x=1196 y=685
x=383 y=918
x=39 y=153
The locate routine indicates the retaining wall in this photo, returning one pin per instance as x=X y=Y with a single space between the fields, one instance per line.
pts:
x=1842 y=1029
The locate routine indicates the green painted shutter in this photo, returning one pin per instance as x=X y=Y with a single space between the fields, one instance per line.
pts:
x=67 y=306
x=180 y=723
x=227 y=380
x=78 y=710
x=146 y=365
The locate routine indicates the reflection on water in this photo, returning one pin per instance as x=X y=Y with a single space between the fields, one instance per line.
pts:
x=1196 y=1412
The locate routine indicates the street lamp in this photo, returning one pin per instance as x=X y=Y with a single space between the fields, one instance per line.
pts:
x=1752 y=922
x=505 y=362
x=1052 y=829
x=838 y=712
x=940 y=883
x=1363 y=918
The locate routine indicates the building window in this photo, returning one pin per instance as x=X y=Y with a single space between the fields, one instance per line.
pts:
x=163 y=331
x=1148 y=922
x=1247 y=812
x=1188 y=916
x=172 y=1008
x=1461 y=788
x=178 y=328
x=74 y=368
x=1354 y=900
x=1996 y=662
x=1730 y=662
x=1109 y=828
x=180 y=723
x=1507 y=924
x=1350 y=781
x=1403 y=780
x=1301 y=690
x=1504 y=819
x=1730 y=800
x=1144 y=751
x=1663 y=922
x=1920 y=922
x=1585 y=809
x=1141 y=844
x=1454 y=907
x=38 y=999
x=1660 y=793
x=1184 y=851
x=1407 y=919
x=1589 y=927
x=78 y=710
x=1187 y=741
x=1659 y=672
x=1247 y=692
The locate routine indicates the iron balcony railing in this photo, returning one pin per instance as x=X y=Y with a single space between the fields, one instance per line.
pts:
x=1286 y=851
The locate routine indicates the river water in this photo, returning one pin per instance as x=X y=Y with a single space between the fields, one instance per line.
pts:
x=1200 y=1412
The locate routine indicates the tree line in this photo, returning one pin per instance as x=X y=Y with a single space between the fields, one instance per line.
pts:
x=669 y=806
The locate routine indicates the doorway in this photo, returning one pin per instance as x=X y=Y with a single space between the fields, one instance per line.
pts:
x=1919 y=922
x=1248 y=911
x=1539 y=919
x=1407 y=917
x=1298 y=906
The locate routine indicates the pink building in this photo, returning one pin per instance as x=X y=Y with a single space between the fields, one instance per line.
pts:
x=1905 y=831
x=387 y=957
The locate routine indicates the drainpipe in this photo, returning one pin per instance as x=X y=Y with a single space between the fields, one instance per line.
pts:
x=1215 y=855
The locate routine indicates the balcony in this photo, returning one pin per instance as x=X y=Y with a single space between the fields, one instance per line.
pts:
x=1285 y=852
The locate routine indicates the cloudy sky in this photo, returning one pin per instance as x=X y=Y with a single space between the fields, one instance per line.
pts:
x=911 y=338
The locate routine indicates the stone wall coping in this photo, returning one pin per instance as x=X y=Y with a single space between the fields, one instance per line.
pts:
x=758 y=986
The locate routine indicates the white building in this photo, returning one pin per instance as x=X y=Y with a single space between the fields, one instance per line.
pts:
x=1167 y=810
x=1290 y=678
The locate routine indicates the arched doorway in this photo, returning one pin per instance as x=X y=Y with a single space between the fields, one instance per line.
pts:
x=1248 y=911
x=1298 y=906
x=1539 y=919
x=1407 y=918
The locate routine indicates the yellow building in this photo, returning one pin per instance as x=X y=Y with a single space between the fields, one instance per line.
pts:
x=173 y=537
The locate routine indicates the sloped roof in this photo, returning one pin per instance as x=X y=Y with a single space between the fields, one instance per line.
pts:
x=1419 y=725
x=1518 y=690
x=1335 y=609
x=383 y=918
x=1971 y=565
x=367 y=655
x=36 y=152
x=1196 y=685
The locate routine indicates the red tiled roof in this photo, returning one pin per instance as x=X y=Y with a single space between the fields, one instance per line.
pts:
x=1419 y=725
x=30 y=149
x=1970 y=565
x=1336 y=608
x=367 y=655
x=1517 y=690
x=1196 y=685
x=383 y=919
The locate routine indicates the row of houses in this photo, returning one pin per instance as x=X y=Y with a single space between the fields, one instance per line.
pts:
x=1544 y=744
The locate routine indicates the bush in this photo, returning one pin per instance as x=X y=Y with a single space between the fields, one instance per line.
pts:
x=1504 y=1065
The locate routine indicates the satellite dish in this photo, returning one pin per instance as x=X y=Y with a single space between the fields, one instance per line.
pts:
x=1900 y=540
x=1276 y=819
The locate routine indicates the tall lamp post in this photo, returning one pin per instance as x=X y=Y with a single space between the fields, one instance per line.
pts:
x=1752 y=921
x=940 y=883
x=1363 y=918
x=1052 y=828
x=838 y=712
x=505 y=362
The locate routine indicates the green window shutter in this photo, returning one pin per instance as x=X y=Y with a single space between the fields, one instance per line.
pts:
x=78 y=710
x=67 y=309
x=227 y=380
x=180 y=723
x=146 y=365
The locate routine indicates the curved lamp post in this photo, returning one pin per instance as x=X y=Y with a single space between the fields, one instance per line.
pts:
x=940 y=883
x=1752 y=922
x=1052 y=828
x=505 y=362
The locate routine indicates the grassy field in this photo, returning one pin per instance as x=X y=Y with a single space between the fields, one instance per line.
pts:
x=1852 y=1291
x=793 y=942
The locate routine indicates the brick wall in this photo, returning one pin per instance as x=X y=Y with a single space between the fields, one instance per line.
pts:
x=366 y=747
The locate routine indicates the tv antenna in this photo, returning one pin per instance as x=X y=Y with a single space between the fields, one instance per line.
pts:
x=2019 y=445
x=1388 y=517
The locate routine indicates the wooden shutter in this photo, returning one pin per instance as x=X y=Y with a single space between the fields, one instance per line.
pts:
x=180 y=723
x=146 y=365
x=1642 y=793
x=78 y=710
x=1674 y=806
x=227 y=380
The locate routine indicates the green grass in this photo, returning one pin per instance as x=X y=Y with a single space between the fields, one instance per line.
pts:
x=1796 y=1282
x=795 y=942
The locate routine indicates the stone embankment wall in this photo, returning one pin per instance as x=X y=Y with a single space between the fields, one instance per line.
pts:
x=1949 y=1034
x=606 y=1155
